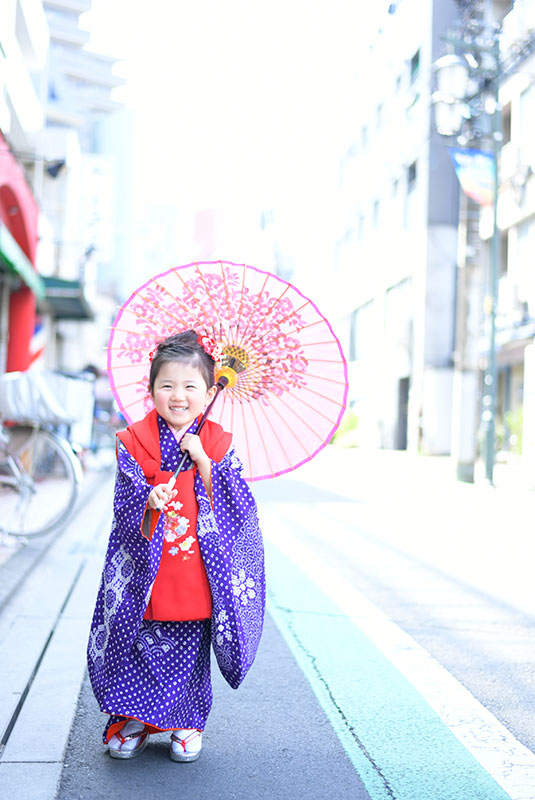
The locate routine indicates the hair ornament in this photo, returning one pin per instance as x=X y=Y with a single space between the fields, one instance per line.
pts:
x=210 y=346
x=151 y=355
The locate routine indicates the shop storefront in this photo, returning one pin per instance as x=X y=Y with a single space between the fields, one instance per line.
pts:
x=20 y=285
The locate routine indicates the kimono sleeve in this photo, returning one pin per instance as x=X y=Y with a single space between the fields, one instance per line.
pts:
x=131 y=495
x=130 y=568
x=231 y=545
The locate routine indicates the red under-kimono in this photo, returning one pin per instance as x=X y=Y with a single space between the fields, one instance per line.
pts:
x=181 y=590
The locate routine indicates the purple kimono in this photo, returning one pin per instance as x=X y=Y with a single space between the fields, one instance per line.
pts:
x=159 y=672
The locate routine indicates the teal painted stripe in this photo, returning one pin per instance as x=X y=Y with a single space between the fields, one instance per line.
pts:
x=399 y=746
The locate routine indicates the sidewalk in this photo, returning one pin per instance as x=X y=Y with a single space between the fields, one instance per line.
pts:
x=43 y=635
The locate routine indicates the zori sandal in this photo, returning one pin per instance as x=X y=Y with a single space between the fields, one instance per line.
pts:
x=129 y=742
x=187 y=748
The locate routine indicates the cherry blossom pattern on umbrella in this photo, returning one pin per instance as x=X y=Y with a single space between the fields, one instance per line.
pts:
x=289 y=376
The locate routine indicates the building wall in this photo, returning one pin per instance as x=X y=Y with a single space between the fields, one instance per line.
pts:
x=397 y=253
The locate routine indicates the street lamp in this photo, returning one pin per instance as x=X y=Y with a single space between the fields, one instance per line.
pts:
x=451 y=75
x=466 y=106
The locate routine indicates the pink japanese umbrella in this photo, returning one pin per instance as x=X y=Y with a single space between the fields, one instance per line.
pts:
x=283 y=371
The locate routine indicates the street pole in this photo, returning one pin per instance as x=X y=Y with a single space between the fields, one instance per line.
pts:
x=473 y=57
x=490 y=388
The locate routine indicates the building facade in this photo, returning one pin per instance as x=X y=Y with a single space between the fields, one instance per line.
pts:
x=515 y=321
x=23 y=48
x=396 y=254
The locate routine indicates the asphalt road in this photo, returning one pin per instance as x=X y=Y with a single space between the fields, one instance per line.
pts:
x=269 y=739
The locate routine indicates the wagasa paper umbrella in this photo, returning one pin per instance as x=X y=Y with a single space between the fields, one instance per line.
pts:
x=282 y=371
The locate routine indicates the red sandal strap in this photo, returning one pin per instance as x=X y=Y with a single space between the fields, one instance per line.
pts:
x=130 y=736
x=185 y=741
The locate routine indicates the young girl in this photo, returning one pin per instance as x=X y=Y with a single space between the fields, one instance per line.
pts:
x=175 y=581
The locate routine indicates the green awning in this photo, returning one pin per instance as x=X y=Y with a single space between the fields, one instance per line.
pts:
x=66 y=299
x=14 y=259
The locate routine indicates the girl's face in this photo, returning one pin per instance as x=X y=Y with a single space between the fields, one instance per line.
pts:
x=180 y=394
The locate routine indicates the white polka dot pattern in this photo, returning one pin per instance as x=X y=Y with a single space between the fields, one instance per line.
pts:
x=156 y=671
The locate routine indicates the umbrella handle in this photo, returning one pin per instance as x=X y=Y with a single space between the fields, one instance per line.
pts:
x=222 y=382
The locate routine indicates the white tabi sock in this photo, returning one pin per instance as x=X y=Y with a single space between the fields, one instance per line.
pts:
x=132 y=726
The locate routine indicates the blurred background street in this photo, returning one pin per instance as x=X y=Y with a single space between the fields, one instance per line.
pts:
x=382 y=159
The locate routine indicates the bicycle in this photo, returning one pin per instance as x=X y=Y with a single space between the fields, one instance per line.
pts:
x=39 y=472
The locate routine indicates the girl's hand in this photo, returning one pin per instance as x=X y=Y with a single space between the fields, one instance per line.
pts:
x=192 y=443
x=161 y=495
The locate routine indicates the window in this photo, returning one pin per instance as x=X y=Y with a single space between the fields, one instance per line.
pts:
x=398 y=313
x=411 y=176
x=362 y=339
x=415 y=66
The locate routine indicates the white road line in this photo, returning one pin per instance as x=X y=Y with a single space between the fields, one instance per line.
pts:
x=508 y=761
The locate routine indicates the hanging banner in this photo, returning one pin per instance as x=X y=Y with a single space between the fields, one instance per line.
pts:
x=475 y=170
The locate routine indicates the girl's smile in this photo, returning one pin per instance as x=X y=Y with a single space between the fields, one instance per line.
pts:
x=180 y=394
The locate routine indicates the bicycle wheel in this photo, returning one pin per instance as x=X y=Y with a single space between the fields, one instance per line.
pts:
x=38 y=486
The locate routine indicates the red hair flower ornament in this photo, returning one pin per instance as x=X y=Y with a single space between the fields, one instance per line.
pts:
x=210 y=346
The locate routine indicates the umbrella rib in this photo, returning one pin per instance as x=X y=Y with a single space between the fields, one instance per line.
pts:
x=163 y=308
x=195 y=298
x=288 y=459
x=315 y=344
x=313 y=408
x=129 y=366
x=258 y=296
x=261 y=438
x=300 y=418
x=140 y=382
x=242 y=391
x=324 y=396
x=326 y=360
x=266 y=315
x=217 y=315
x=249 y=461
x=232 y=416
x=287 y=317
x=288 y=426
x=318 y=377
x=127 y=350
x=125 y=330
x=138 y=315
x=226 y=293
x=302 y=328
x=241 y=306
x=133 y=403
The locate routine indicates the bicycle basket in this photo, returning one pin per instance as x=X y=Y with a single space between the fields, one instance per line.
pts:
x=25 y=397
